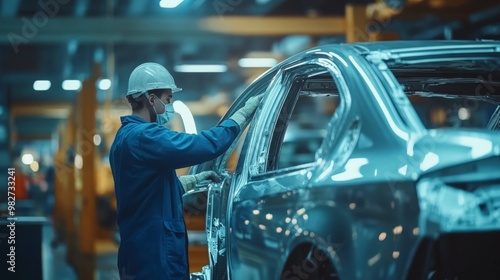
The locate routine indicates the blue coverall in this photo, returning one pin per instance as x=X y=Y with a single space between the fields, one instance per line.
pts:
x=143 y=159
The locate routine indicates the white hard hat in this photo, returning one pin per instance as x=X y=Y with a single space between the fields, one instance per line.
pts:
x=149 y=76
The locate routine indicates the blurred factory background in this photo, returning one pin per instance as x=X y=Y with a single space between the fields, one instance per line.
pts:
x=64 y=66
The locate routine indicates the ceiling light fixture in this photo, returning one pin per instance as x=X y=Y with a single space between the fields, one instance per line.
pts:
x=257 y=62
x=27 y=158
x=200 y=68
x=104 y=84
x=170 y=4
x=71 y=85
x=41 y=85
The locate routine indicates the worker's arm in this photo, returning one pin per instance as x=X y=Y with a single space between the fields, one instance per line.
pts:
x=172 y=150
x=164 y=148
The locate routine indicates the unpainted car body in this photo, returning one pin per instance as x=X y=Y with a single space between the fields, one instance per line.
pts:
x=391 y=187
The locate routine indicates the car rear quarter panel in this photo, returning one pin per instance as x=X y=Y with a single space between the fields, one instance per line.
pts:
x=367 y=228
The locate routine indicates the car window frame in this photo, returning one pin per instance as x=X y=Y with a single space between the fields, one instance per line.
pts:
x=286 y=77
x=259 y=86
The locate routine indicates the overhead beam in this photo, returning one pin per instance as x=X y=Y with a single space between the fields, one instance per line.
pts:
x=32 y=137
x=109 y=30
x=46 y=110
x=60 y=110
x=274 y=26
x=17 y=32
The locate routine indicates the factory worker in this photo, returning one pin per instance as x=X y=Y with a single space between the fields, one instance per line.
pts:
x=143 y=158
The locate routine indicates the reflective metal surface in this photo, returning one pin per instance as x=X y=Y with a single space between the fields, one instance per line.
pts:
x=392 y=183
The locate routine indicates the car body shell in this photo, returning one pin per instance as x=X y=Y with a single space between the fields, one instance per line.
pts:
x=381 y=194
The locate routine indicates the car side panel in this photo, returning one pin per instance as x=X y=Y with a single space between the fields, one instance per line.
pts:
x=339 y=219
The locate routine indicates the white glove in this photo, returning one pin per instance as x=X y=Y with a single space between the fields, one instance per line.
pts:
x=189 y=181
x=241 y=116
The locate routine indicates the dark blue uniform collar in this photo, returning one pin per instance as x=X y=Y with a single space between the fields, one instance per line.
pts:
x=132 y=119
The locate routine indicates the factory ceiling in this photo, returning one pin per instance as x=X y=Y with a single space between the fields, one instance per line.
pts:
x=58 y=40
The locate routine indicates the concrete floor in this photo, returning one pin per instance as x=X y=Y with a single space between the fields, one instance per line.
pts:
x=55 y=266
x=54 y=263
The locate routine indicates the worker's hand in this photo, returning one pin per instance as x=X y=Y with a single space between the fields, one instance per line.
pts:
x=190 y=181
x=207 y=175
x=241 y=116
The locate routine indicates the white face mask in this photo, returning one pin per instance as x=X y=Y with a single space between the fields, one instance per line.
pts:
x=162 y=119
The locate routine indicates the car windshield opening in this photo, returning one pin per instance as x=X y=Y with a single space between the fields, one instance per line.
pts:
x=452 y=93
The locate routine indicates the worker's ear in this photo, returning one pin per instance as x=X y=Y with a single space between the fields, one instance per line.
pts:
x=151 y=99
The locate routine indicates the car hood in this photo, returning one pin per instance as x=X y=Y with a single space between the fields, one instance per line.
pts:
x=441 y=148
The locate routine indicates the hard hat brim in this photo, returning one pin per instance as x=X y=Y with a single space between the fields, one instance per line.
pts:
x=136 y=94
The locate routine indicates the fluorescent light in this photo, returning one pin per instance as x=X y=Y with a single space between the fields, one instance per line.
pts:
x=186 y=116
x=104 y=84
x=200 y=68
x=169 y=4
x=41 y=85
x=27 y=159
x=71 y=85
x=257 y=62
